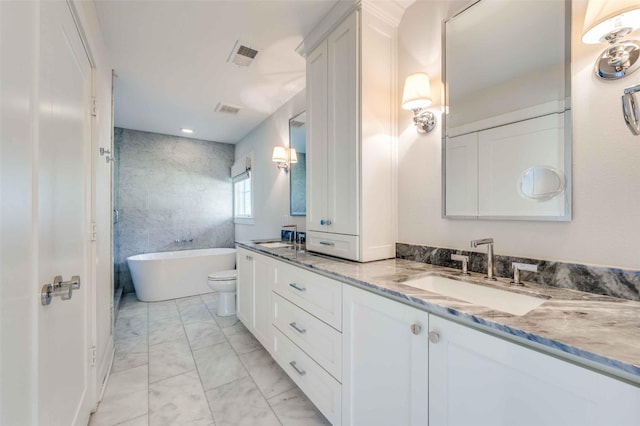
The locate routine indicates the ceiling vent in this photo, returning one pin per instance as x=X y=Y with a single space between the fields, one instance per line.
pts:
x=227 y=109
x=296 y=124
x=242 y=54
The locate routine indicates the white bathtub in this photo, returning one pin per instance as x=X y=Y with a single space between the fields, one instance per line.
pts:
x=174 y=274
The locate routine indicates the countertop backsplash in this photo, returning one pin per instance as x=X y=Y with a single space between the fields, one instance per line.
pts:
x=614 y=282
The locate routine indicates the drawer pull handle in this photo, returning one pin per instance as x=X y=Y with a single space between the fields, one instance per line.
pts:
x=294 y=285
x=296 y=328
x=295 y=367
x=326 y=243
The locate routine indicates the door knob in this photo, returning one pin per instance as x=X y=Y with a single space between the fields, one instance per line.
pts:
x=434 y=337
x=59 y=288
x=416 y=328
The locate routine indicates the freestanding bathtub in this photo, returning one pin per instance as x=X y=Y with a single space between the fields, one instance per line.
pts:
x=174 y=274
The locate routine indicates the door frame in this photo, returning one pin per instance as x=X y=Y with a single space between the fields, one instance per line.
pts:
x=90 y=214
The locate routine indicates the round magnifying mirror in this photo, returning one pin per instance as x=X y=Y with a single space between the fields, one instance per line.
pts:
x=541 y=183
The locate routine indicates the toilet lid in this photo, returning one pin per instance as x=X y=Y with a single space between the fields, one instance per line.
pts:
x=223 y=275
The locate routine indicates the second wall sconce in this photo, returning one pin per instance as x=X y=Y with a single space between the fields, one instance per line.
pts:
x=416 y=96
x=610 y=21
x=284 y=157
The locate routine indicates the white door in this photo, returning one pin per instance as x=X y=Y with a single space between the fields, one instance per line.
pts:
x=479 y=379
x=64 y=345
x=385 y=361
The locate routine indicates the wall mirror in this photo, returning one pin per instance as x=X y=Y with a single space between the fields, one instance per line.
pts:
x=298 y=172
x=507 y=134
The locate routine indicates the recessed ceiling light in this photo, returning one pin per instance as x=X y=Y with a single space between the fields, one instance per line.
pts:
x=186 y=130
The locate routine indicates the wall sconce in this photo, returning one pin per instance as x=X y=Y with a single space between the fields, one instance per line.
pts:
x=609 y=21
x=284 y=157
x=416 y=97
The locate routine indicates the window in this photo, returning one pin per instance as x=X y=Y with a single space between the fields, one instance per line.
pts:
x=242 y=196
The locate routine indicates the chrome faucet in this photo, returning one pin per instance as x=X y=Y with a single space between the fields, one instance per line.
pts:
x=489 y=243
x=295 y=235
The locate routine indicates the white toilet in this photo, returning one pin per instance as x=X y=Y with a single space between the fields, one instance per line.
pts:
x=224 y=283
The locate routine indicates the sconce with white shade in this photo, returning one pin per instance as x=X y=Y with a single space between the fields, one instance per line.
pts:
x=284 y=157
x=610 y=21
x=416 y=96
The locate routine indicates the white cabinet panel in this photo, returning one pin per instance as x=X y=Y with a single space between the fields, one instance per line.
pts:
x=317 y=88
x=343 y=139
x=244 y=287
x=461 y=172
x=479 y=379
x=256 y=277
x=322 y=389
x=318 y=295
x=264 y=278
x=320 y=341
x=385 y=365
x=505 y=152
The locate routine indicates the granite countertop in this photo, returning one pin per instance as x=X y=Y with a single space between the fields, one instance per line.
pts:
x=601 y=332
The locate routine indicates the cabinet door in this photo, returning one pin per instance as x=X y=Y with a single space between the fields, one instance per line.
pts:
x=264 y=277
x=385 y=361
x=317 y=138
x=479 y=379
x=244 y=291
x=343 y=129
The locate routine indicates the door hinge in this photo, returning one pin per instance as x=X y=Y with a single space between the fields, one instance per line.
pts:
x=94 y=355
x=94 y=231
x=94 y=106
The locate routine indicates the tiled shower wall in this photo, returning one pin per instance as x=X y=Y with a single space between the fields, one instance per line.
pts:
x=169 y=188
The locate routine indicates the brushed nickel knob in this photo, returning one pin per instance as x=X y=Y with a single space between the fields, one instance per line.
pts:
x=416 y=328
x=434 y=337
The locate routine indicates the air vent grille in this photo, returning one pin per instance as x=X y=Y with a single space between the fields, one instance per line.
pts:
x=227 y=109
x=247 y=51
x=242 y=54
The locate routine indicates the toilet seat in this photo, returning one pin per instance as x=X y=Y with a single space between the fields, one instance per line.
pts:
x=227 y=275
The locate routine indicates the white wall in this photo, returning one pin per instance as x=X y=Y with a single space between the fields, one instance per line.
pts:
x=271 y=185
x=606 y=162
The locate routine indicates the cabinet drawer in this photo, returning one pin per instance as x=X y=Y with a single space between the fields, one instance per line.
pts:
x=322 y=389
x=316 y=294
x=339 y=245
x=317 y=339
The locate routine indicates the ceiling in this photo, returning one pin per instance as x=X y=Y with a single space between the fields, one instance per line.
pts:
x=170 y=58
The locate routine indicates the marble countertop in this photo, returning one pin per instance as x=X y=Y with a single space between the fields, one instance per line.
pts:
x=601 y=332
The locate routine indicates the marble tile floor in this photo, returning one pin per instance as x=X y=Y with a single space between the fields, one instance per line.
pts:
x=178 y=363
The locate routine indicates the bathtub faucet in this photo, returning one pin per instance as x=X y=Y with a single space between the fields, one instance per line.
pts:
x=184 y=240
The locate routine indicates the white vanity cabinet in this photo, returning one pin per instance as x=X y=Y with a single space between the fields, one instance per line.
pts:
x=256 y=276
x=350 y=139
x=364 y=359
x=307 y=338
x=479 y=379
x=385 y=361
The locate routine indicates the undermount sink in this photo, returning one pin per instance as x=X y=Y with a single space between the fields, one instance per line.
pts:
x=274 y=244
x=493 y=298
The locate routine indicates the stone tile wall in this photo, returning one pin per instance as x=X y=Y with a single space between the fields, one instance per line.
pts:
x=169 y=188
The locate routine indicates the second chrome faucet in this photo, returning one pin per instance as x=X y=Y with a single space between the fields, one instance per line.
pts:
x=489 y=243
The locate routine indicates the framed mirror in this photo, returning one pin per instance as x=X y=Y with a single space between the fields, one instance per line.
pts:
x=507 y=133
x=298 y=172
